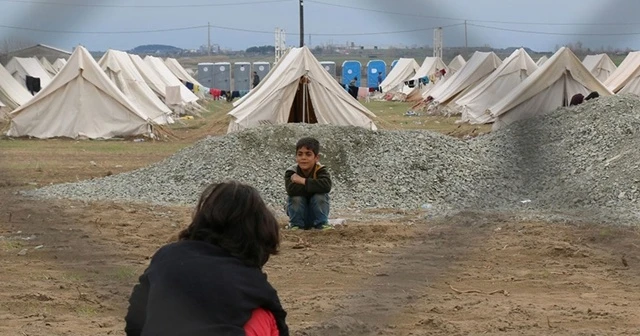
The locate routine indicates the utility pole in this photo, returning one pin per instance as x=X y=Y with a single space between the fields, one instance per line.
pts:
x=466 y=45
x=301 y=23
x=208 y=38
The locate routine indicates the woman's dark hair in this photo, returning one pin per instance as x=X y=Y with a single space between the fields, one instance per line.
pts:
x=233 y=216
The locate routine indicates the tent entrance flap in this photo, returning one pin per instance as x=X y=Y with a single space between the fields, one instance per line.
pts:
x=302 y=110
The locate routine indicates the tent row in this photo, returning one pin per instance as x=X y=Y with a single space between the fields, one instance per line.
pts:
x=489 y=90
x=120 y=95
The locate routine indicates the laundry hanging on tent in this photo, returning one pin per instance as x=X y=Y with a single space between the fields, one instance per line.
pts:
x=33 y=84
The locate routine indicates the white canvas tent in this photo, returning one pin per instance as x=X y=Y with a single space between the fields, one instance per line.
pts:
x=513 y=70
x=12 y=94
x=542 y=60
x=150 y=77
x=299 y=89
x=182 y=74
x=405 y=68
x=20 y=68
x=601 y=66
x=80 y=102
x=626 y=75
x=429 y=67
x=456 y=64
x=479 y=67
x=59 y=63
x=123 y=73
x=170 y=80
x=171 y=95
x=548 y=88
x=48 y=66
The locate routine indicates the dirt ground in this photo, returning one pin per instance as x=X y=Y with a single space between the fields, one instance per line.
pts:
x=68 y=267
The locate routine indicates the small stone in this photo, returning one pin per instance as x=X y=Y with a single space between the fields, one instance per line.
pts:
x=22 y=252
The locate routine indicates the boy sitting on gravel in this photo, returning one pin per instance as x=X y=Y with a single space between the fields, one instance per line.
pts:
x=308 y=184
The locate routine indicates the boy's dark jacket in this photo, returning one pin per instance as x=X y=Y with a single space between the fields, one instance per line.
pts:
x=318 y=181
x=196 y=288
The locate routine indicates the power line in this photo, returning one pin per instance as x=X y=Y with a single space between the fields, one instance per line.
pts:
x=219 y=27
x=474 y=20
x=145 y=6
x=552 y=33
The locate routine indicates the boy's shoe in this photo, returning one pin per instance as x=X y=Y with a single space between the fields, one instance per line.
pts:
x=324 y=227
x=292 y=227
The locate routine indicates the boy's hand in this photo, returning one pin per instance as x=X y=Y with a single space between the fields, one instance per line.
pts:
x=295 y=178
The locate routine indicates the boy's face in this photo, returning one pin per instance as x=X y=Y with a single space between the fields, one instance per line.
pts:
x=305 y=158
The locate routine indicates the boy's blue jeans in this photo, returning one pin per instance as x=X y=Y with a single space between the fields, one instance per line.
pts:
x=308 y=212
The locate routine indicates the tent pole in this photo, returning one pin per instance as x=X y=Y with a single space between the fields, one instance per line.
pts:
x=304 y=99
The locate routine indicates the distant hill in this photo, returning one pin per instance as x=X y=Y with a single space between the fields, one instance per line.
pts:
x=157 y=49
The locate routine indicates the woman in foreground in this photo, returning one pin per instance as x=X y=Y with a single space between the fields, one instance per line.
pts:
x=210 y=281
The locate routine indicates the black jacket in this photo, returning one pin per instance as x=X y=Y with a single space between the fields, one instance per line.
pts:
x=195 y=288
x=318 y=181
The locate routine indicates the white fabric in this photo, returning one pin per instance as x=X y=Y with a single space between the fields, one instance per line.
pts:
x=513 y=70
x=20 y=68
x=150 y=76
x=456 y=64
x=59 y=63
x=480 y=65
x=405 y=68
x=542 y=60
x=549 y=87
x=601 y=66
x=173 y=95
x=632 y=86
x=178 y=71
x=182 y=74
x=272 y=99
x=48 y=66
x=170 y=79
x=628 y=71
x=123 y=73
x=81 y=101
x=12 y=94
x=429 y=67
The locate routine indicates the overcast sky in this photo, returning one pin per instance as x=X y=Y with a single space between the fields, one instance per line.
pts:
x=405 y=22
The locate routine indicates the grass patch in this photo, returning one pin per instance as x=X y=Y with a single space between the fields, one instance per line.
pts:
x=9 y=245
x=85 y=310
x=124 y=273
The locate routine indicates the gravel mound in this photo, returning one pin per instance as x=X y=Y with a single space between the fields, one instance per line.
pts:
x=581 y=159
x=390 y=169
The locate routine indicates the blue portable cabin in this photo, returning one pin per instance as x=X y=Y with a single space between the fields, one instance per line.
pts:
x=394 y=63
x=351 y=69
x=374 y=68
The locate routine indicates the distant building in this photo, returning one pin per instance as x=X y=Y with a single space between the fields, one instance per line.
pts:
x=39 y=51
